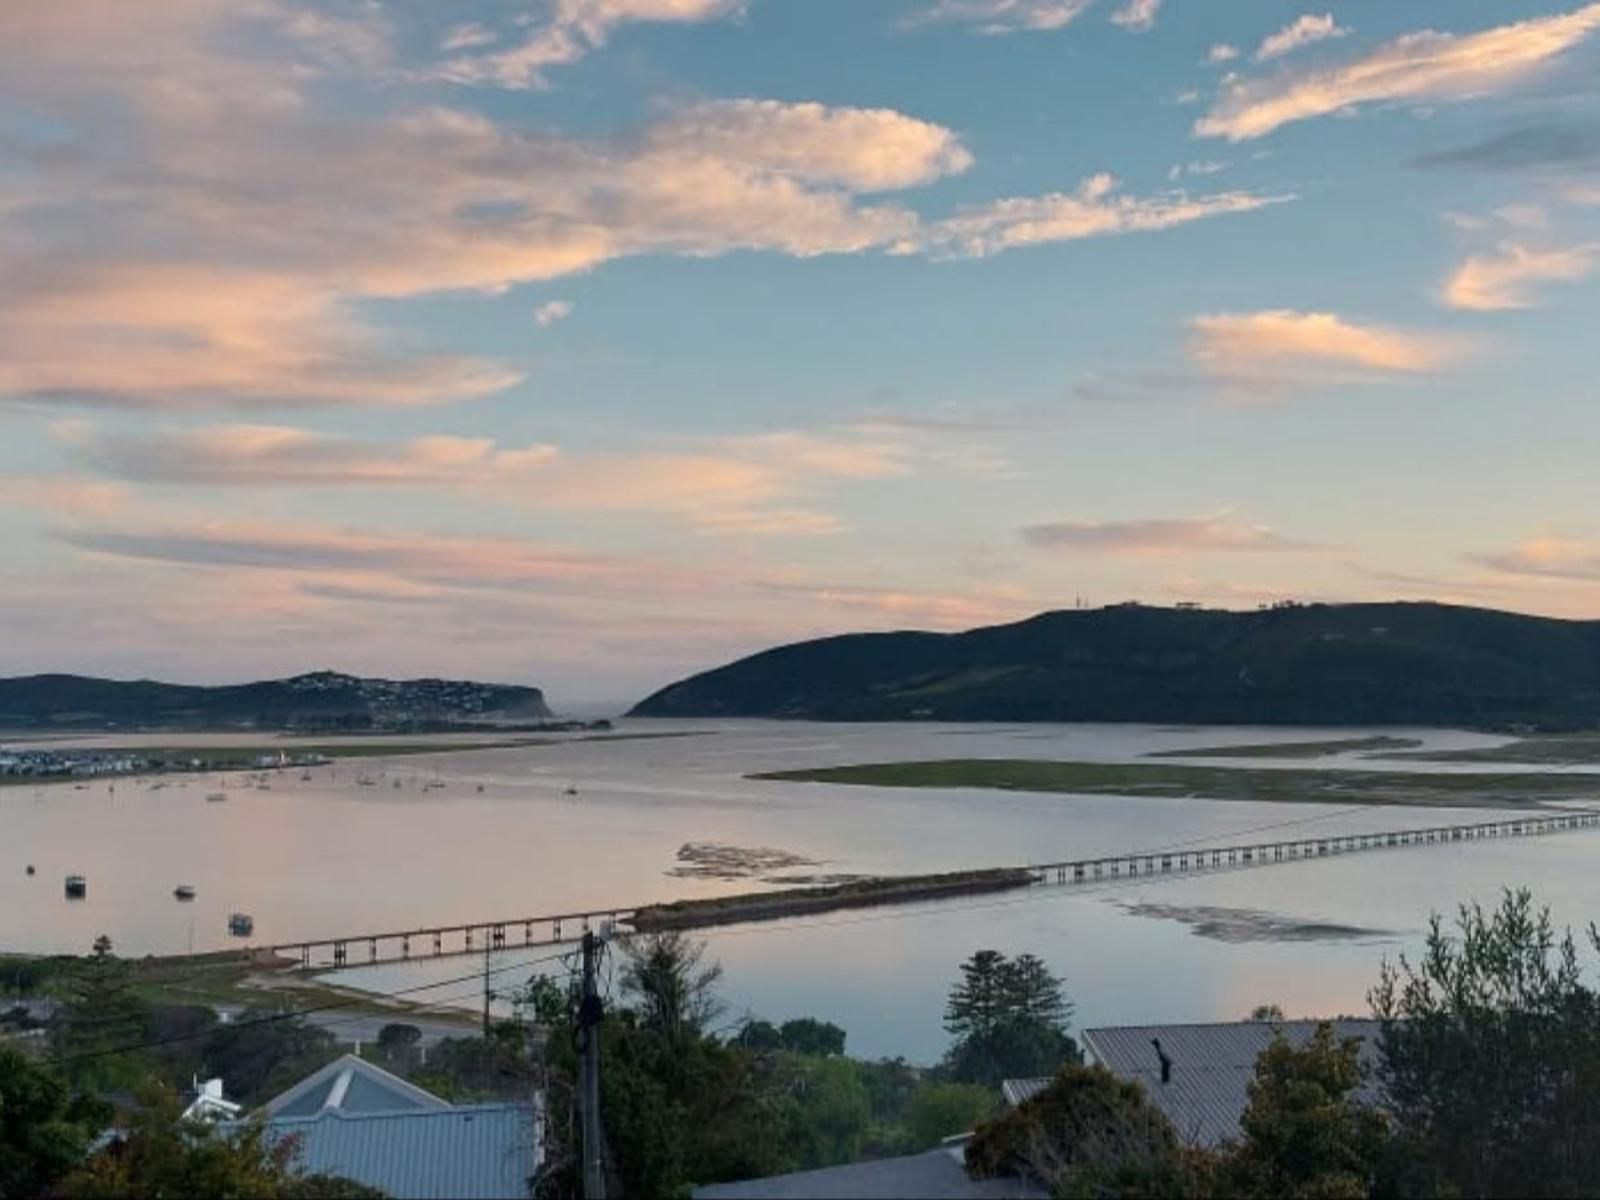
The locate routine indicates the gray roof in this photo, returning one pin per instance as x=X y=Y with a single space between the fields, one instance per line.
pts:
x=935 y=1175
x=1212 y=1066
x=470 y=1152
x=352 y=1085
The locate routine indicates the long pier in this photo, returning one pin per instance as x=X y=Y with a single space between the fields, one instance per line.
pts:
x=488 y=937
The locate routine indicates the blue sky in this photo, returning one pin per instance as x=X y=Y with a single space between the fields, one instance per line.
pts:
x=590 y=342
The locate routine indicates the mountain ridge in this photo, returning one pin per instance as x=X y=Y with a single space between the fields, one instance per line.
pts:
x=1389 y=663
x=314 y=700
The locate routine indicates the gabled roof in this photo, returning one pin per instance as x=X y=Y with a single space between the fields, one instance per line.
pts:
x=1212 y=1066
x=466 y=1152
x=935 y=1175
x=351 y=1085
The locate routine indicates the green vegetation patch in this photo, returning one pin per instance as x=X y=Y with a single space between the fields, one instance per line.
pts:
x=1575 y=750
x=1294 y=749
x=1283 y=786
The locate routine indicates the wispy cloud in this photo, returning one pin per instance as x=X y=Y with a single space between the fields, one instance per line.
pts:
x=751 y=484
x=1137 y=16
x=551 y=312
x=1095 y=209
x=1246 y=344
x=1221 y=52
x=1306 y=30
x=1548 y=146
x=1422 y=66
x=997 y=17
x=1546 y=558
x=574 y=30
x=1506 y=277
x=1223 y=533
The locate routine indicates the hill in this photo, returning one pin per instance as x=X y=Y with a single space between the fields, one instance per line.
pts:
x=322 y=700
x=1316 y=664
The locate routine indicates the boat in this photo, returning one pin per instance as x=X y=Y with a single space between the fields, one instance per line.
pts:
x=30 y=868
x=184 y=891
x=216 y=797
x=241 y=924
x=77 y=887
x=570 y=791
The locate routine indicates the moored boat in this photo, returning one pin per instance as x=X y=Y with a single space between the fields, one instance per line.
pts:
x=183 y=891
x=77 y=887
x=241 y=925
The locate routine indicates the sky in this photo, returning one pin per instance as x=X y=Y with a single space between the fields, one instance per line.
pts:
x=588 y=343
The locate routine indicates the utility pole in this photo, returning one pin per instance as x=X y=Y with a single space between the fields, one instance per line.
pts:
x=590 y=1012
x=487 y=994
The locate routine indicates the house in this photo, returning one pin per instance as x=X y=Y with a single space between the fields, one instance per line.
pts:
x=939 y=1174
x=1199 y=1075
x=358 y=1121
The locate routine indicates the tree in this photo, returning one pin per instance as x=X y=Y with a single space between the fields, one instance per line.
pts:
x=975 y=1003
x=675 y=994
x=1491 y=1058
x=806 y=1035
x=45 y=1130
x=100 y=1019
x=259 y=1054
x=161 y=1154
x=1266 y=1012
x=941 y=1110
x=1009 y=1019
x=759 y=1037
x=1303 y=1133
x=1089 y=1134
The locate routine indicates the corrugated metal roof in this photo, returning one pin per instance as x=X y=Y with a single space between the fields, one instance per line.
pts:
x=469 y=1152
x=935 y=1175
x=353 y=1085
x=1019 y=1091
x=1212 y=1066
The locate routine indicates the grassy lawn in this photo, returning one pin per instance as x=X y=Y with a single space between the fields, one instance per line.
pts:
x=1293 y=749
x=1284 y=786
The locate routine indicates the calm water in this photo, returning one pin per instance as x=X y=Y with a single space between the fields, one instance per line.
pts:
x=327 y=856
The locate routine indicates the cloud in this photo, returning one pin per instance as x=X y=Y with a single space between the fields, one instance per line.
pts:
x=864 y=149
x=575 y=29
x=1173 y=535
x=996 y=17
x=1504 y=278
x=552 y=311
x=888 y=606
x=1244 y=344
x=1094 y=210
x=1203 y=167
x=1546 y=558
x=1137 y=16
x=1305 y=31
x=287 y=216
x=1548 y=146
x=1221 y=52
x=1425 y=66
x=455 y=562
x=735 y=485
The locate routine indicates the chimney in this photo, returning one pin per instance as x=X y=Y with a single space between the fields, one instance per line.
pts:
x=1166 y=1061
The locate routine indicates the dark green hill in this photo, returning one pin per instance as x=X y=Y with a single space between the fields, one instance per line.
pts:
x=322 y=700
x=1345 y=664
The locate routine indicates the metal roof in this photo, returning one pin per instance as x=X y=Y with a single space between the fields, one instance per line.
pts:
x=469 y=1152
x=1212 y=1066
x=936 y=1175
x=351 y=1084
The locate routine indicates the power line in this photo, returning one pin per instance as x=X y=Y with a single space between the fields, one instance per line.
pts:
x=295 y=1014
